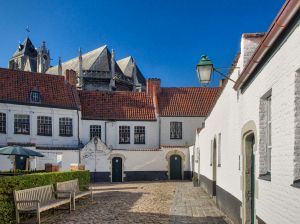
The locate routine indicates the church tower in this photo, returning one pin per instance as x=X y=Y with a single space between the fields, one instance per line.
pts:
x=25 y=57
x=43 y=58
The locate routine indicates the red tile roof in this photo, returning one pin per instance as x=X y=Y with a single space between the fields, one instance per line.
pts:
x=104 y=105
x=55 y=92
x=187 y=102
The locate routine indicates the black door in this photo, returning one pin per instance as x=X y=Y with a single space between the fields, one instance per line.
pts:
x=21 y=162
x=175 y=167
x=117 y=169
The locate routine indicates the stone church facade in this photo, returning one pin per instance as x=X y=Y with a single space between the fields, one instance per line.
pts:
x=96 y=70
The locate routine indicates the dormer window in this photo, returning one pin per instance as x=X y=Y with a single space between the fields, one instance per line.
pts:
x=35 y=96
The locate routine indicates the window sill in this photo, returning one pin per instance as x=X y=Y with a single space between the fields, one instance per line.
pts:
x=22 y=133
x=44 y=135
x=4 y=133
x=65 y=135
x=296 y=184
x=175 y=138
x=136 y=143
x=266 y=177
x=124 y=143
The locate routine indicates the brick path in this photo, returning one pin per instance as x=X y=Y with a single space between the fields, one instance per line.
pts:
x=142 y=202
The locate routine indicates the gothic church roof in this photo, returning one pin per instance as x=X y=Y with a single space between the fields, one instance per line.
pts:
x=96 y=60
x=126 y=65
x=26 y=48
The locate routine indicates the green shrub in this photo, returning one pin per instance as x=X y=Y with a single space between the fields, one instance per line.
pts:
x=9 y=184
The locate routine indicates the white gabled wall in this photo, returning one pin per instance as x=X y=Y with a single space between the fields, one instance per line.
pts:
x=189 y=127
x=112 y=133
x=276 y=200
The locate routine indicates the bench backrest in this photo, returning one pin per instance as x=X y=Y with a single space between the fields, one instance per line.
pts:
x=71 y=185
x=43 y=194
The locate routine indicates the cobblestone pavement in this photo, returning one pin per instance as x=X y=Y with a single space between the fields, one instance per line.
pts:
x=142 y=202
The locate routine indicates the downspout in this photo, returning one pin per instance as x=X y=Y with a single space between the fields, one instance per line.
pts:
x=78 y=129
x=78 y=138
x=159 y=130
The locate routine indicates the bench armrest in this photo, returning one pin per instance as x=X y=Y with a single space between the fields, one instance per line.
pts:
x=68 y=193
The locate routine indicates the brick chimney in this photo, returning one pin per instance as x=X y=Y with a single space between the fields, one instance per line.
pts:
x=222 y=82
x=153 y=89
x=249 y=43
x=71 y=77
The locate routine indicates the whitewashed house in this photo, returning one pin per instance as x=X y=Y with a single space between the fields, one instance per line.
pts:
x=247 y=155
x=39 y=111
x=117 y=135
x=139 y=129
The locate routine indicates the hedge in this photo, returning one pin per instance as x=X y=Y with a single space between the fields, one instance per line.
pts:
x=9 y=184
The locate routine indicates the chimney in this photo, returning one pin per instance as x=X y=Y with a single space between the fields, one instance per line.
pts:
x=71 y=77
x=153 y=89
x=250 y=42
x=222 y=82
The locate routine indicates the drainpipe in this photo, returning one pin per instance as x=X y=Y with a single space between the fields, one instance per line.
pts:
x=159 y=131
x=78 y=138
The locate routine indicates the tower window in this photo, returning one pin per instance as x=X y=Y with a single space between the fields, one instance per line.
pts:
x=35 y=97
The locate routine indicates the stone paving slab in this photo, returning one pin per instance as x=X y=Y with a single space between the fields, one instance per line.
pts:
x=143 y=202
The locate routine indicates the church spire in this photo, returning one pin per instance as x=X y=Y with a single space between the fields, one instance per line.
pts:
x=59 y=66
x=80 y=67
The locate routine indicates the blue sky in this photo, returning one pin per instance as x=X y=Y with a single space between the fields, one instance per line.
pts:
x=166 y=37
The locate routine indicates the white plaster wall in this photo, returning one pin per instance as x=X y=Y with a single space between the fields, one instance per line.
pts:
x=68 y=157
x=147 y=160
x=189 y=126
x=276 y=201
x=112 y=133
x=33 y=112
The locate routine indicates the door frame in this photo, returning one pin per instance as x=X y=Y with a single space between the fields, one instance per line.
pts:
x=168 y=156
x=248 y=151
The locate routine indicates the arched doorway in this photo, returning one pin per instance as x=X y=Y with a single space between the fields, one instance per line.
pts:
x=249 y=178
x=214 y=168
x=117 y=171
x=175 y=167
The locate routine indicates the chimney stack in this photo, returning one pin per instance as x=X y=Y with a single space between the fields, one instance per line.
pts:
x=71 y=77
x=153 y=89
x=250 y=41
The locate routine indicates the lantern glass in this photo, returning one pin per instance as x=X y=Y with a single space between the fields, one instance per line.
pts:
x=204 y=70
x=204 y=73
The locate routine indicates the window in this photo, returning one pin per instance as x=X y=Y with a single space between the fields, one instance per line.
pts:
x=139 y=135
x=268 y=133
x=22 y=125
x=95 y=130
x=65 y=127
x=44 y=126
x=35 y=97
x=2 y=123
x=124 y=135
x=176 y=130
x=265 y=132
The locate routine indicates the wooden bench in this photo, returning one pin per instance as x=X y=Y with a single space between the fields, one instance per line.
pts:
x=72 y=186
x=39 y=199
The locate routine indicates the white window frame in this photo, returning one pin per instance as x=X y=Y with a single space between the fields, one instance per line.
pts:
x=268 y=133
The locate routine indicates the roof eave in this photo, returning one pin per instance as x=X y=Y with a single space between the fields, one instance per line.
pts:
x=287 y=12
